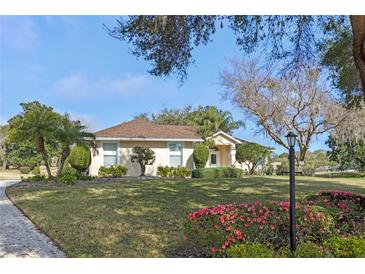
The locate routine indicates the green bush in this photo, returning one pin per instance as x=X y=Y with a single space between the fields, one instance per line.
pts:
x=200 y=155
x=80 y=158
x=24 y=170
x=70 y=170
x=352 y=247
x=113 y=171
x=308 y=169
x=173 y=172
x=283 y=168
x=36 y=178
x=36 y=171
x=269 y=170
x=309 y=250
x=218 y=172
x=69 y=176
x=250 y=250
x=144 y=156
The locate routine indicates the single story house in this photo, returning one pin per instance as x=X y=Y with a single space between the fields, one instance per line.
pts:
x=173 y=146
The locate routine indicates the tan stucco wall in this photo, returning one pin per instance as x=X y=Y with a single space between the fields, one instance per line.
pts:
x=225 y=155
x=159 y=147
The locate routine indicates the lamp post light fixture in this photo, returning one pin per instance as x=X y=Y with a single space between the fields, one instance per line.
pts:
x=291 y=137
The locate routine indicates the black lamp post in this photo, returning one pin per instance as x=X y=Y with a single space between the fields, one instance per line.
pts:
x=291 y=142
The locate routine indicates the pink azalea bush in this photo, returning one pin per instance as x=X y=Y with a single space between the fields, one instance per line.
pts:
x=347 y=208
x=216 y=229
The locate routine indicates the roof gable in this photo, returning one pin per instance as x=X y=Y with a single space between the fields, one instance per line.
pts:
x=224 y=138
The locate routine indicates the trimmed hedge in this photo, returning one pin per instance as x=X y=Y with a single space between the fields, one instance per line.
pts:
x=218 y=172
x=113 y=171
x=173 y=172
x=200 y=155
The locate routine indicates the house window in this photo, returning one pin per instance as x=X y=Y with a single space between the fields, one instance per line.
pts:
x=175 y=150
x=110 y=154
x=213 y=159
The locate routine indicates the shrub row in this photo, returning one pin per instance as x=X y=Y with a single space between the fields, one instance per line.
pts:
x=113 y=171
x=334 y=247
x=173 y=172
x=218 y=172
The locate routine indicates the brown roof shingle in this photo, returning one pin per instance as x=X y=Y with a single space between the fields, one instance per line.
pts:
x=143 y=129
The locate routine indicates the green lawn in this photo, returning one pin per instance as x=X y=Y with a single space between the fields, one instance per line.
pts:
x=144 y=218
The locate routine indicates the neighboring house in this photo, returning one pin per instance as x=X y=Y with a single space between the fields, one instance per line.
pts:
x=173 y=146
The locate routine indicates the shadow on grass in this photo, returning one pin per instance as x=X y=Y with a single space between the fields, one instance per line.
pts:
x=145 y=218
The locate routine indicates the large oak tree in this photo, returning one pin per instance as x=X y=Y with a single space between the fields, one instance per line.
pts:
x=167 y=42
x=294 y=102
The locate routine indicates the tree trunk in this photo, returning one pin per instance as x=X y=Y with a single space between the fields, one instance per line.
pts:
x=302 y=153
x=42 y=151
x=358 y=32
x=65 y=154
x=143 y=170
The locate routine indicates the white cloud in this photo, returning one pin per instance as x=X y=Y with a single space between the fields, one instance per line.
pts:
x=89 y=120
x=79 y=86
x=74 y=86
x=19 y=33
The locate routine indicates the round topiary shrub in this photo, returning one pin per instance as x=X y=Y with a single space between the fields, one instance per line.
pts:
x=200 y=155
x=80 y=158
x=24 y=170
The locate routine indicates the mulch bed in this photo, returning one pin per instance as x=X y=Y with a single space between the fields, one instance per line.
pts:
x=51 y=184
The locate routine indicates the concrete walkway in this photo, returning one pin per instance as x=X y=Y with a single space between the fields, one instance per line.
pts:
x=18 y=236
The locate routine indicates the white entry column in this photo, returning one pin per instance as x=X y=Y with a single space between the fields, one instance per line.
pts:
x=233 y=154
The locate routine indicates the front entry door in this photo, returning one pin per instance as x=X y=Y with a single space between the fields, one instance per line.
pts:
x=214 y=158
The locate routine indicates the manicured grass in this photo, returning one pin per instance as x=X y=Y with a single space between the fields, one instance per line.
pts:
x=144 y=218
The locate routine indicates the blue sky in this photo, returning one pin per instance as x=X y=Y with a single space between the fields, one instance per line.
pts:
x=72 y=64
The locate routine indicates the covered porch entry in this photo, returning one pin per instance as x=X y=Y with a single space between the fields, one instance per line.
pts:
x=224 y=152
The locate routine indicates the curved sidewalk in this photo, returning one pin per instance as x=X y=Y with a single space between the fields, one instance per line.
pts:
x=18 y=236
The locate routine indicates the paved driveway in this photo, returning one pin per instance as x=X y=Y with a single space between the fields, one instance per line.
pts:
x=18 y=236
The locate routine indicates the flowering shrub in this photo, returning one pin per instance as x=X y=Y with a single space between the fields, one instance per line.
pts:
x=218 y=228
x=347 y=208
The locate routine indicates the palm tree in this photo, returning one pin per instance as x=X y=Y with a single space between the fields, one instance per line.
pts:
x=36 y=123
x=69 y=133
x=210 y=120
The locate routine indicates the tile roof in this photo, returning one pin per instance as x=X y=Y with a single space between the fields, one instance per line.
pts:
x=247 y=142
x=144 y=129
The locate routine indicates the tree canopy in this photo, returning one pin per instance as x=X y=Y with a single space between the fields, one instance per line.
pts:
x=167 y=42
x=349 y=154
x=253 y=155
x=279 y=104
x=208 y=119
x=39 y=128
